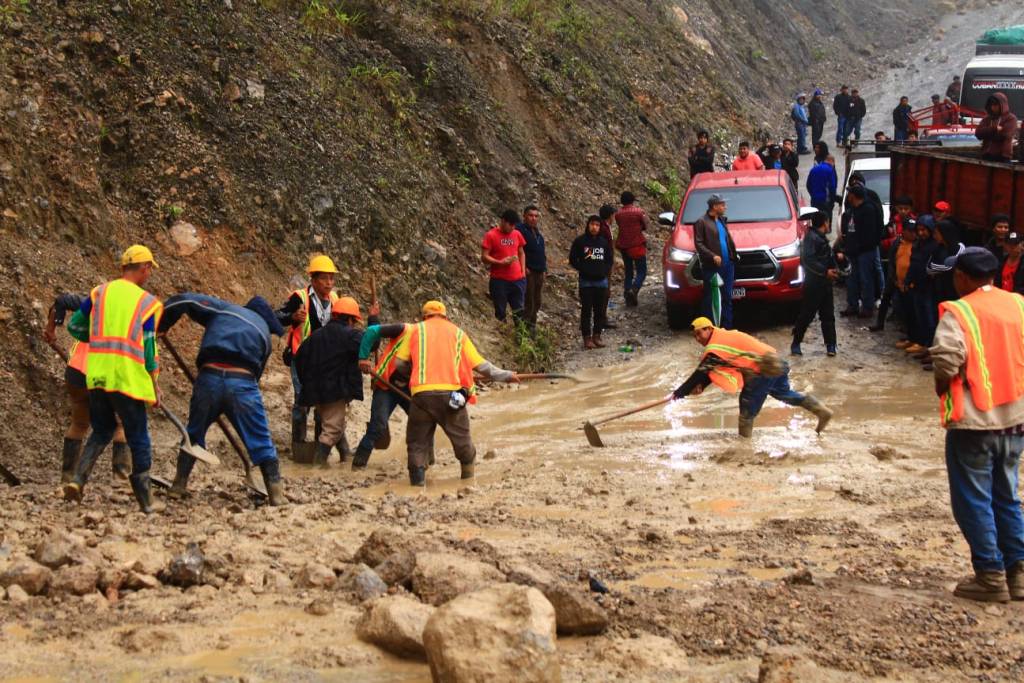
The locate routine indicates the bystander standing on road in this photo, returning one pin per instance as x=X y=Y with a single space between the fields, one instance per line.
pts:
x=801 y=120
x=858 y=110
x=503 y=251
x=593 y=257
x=1000 y=229
x=998 y=130
x=632 y=222
x=536 y=263
x=791 y=160
x=900 y=120
x=820 y=271
x=702 y=155
x=860 y=243
x=818 y=116
x=1011 y=275
x=841 y=108
x=745 y=161
x=822 y=184
x=717 y=253
x=921 y=285
x=953 y=90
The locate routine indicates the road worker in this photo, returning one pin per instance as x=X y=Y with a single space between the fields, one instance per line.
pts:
x=978 y=360
x=119 y=321
x=307 y=310
x=441 y=359
x=736 y=362
x=328 y=368
x=78 y=395
x=235 y=348
x=383 y=401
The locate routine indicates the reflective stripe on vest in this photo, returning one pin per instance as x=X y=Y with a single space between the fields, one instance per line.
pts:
x=436 y=348
x=738 y=349
x=116 y=359
x=300 y=333
x=79 y=356
x=992 y=321
x=386 y=366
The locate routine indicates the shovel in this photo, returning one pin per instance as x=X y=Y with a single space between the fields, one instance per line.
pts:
x=186 y=446
x=590 y=428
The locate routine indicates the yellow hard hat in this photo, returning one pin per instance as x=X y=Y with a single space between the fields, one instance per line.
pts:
x=321 y=264
x=434 y=308
x=137 y=254
x=346 y=305
x=701 y=322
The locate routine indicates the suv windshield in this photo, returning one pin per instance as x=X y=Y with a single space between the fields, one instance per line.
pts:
x=743 y=204
x=878 y=180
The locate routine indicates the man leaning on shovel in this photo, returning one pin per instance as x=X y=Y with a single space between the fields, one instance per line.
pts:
x=235 y=348
x=738 y=362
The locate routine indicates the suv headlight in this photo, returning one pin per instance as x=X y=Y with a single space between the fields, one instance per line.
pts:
x=788 y=251
x=676 y=255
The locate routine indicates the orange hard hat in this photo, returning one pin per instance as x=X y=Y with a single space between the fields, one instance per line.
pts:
x=346 y=305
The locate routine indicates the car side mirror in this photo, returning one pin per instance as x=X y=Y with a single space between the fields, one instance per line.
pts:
x=667 y=219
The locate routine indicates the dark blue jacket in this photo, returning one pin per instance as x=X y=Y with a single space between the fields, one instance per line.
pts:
x=822 y=182
x=536 y=258
x=234 y=335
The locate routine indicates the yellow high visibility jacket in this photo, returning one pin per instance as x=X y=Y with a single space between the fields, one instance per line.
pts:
x=117 y=357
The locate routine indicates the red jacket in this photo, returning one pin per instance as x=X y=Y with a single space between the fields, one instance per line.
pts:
x=997 y=133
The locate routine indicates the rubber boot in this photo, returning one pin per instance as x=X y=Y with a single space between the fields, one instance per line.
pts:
x=122 y=460
x=984 y=587
x=344 y=450
x=69 y=458
x=179 y=489
x=360 y=459
x=468 y=470
x=1015 y=581
x=588 y=343
x=271 y=471
x=795 y=350
x=73 y=489
x=417 y=476
x=323 y=451
x=318 y=426
x=746 y=427
x=143 y=494
x=430 y=458
x=597 y=341
x=819 y=410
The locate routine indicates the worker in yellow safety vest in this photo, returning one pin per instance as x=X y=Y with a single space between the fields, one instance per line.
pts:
x=306 y=311
x=732 y=361
x=78 y=395
x=440 y=360
x=119 y=321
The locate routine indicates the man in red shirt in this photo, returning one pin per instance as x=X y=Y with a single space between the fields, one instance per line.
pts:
x=503 y=253
x=746 y=161
x=632 y=222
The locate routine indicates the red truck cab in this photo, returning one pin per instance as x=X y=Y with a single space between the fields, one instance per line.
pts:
x=764 y=217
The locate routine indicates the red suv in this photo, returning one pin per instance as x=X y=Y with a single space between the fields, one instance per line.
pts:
x=766 y=221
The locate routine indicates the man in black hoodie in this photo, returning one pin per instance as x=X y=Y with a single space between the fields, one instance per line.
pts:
x=702 y=155
x=820 y=271
x=328 y=367
x=863 y=234
x=818 y=116
x=841 y=108
x=593 y=257
x=858 y=110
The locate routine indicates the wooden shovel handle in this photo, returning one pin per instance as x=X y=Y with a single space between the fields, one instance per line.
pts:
x=391 y=386
x=639 y=409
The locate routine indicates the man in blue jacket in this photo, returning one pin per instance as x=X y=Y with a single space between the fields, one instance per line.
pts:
x=801 y=119
x=822 y=182
x=235 y=348
x=536 y=263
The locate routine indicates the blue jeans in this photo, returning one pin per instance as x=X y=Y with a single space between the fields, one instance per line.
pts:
x=840 y=130
x=728 y=274
x=238 y=398
x=635 y=272
x=982 y=468
x=899 y=134
x=507 y=294
x=925 y=316
x=801 y=137
x=104 y=409
x=299 y=413
x=382 y=405
x=758 y=389
x=853 y=128
x=860 y=286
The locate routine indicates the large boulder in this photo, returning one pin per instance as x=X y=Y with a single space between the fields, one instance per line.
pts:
x=57 y=550
x=383 y=543
x=502 y=633
x=76 y=579
x=362 y=581
x=33 y=577
x=395 y=623
x=440 y=577
x=397 y=568
x=576 y=612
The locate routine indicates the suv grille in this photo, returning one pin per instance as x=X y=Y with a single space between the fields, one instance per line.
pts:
x=753 y=265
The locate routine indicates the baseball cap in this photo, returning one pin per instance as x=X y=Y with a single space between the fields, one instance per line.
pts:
x=1015 y=238
x=716 y=199
x=943 y=206
x=701 y=322
x=434 y=308
x=137 y=254
x=975 y=261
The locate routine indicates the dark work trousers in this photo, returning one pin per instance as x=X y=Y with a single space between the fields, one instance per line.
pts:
x=534 y=296
x=506 y=294
x=926 y=316
x=104 y=410
x=430 y=410
x=817 y=301
x=593 y=305
x=817 y=128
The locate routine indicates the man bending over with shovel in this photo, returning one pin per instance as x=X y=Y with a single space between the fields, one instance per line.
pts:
x=738 y=362
x=232 y=355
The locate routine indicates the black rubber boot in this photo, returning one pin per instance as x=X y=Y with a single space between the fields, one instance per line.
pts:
x=746 y=427
x=344 y=450
x=74 y=488
x=468 y=470
x=323 y=452
x=417 y=476
x=122 y=460
x=360 y=459
x=819 y=410
x=69 y=458
x=271 y=471
x=179 y=489
x=143 y=494
x=299 y=429
x=318 y=426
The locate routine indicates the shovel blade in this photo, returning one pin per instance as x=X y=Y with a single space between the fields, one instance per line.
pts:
x=255 y=484
x=592 y=436
x=160 y=482
x=384 y=440
x=201 y=454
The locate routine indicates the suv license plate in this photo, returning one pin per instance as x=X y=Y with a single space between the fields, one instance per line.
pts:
x=739 y=292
